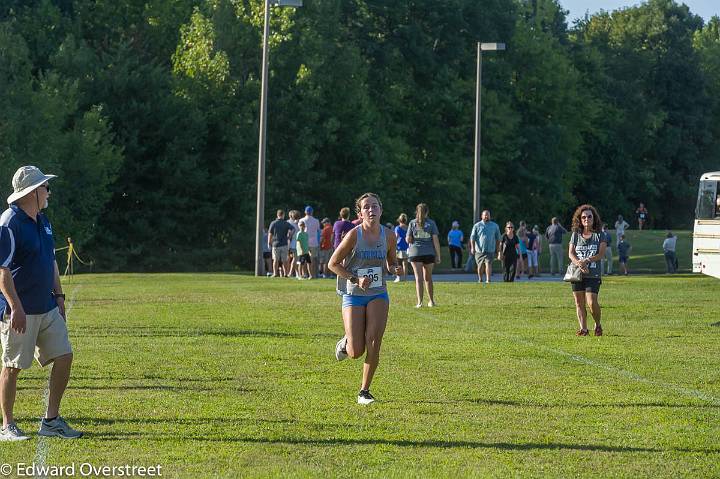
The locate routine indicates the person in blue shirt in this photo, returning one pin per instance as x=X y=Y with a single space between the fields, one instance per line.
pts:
x=455 y=242
x=484 y=242
x=402 y=246
x=32 y=304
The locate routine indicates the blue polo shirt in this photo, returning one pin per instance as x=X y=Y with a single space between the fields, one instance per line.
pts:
x=28 y=250
x=485 y=236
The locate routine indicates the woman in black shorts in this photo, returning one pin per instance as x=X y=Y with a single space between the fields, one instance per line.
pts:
x=586 y=250
x=423 y=252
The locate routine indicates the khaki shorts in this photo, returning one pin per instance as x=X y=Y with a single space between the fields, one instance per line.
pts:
x=280 y=253
x=45 y=338
x=484 y=257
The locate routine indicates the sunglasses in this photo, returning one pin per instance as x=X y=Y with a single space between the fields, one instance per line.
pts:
x=510 y=227
x=47 y=187
x=586 y=217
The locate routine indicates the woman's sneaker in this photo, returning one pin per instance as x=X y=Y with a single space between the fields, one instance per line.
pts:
x=58 y=428
x=364 y=397
x=12 y=433
x=341 y=349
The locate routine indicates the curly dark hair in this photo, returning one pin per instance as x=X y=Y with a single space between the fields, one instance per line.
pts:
x=577 y=224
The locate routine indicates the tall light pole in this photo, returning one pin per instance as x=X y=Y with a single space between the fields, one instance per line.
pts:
x=481 y=47
x=260 y=212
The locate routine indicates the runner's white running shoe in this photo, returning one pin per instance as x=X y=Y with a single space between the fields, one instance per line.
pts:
x=12 y=433
x=341 y=349
x=365 y=398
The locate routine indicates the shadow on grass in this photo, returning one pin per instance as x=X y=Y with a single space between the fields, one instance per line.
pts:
x=220 y=421
x=330 y=442
x=502 y=402
x=180 y=385
x=155 y=332
x=149 y=387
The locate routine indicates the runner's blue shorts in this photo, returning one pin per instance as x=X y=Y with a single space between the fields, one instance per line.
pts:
x=350 y=300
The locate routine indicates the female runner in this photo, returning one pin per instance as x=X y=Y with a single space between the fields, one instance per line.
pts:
x=359 y=263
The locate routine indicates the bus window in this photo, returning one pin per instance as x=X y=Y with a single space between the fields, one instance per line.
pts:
x=707 y=204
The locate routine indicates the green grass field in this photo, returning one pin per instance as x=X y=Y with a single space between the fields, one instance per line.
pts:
x=220 y=375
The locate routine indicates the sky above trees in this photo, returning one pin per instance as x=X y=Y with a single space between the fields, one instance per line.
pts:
x=704 y=8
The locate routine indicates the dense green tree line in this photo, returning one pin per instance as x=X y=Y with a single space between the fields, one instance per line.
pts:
x=148 y=111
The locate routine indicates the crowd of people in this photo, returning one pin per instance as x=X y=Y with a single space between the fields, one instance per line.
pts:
x=301 y=246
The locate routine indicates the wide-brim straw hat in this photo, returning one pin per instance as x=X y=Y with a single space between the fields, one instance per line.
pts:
x=25 y=180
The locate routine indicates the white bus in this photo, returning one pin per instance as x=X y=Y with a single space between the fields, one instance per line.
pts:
x=706 y=235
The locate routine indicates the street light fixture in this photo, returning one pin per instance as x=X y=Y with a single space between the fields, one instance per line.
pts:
x=259 y=262
x=481 y=47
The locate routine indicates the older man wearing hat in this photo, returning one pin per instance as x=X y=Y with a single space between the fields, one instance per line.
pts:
x=32 y=304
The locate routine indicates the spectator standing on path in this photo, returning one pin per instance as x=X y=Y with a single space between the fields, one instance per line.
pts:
x=292 y=251
x=312 y=226
x=424 y=252
x=554 y=234
x=522 y=250
x=455 y=244
x=326 y=247
x=620 y=226
x=608 y=259
x=266 y=252
x=342 y=226
x=508 y=252
x=279 y=234
x=484 y=243
x=303 y=250
x=32 y=305
x=532 y=254
x=669 y=252
x=586 y=250
x=402 y=246
x=538 y=248
x=642 y=216
x=624 y=254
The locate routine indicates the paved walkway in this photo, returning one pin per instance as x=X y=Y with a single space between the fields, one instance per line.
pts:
x=472 y=278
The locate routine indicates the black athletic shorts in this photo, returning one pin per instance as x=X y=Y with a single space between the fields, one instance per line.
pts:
x=425 y=259
x=267 y=254
x=589 y=285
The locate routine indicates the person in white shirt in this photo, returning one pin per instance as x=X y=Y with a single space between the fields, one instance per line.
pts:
x=620 y=226
x=669 y=250
x=313 y=230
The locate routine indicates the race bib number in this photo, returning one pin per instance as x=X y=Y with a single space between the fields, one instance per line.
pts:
x=374 y=274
